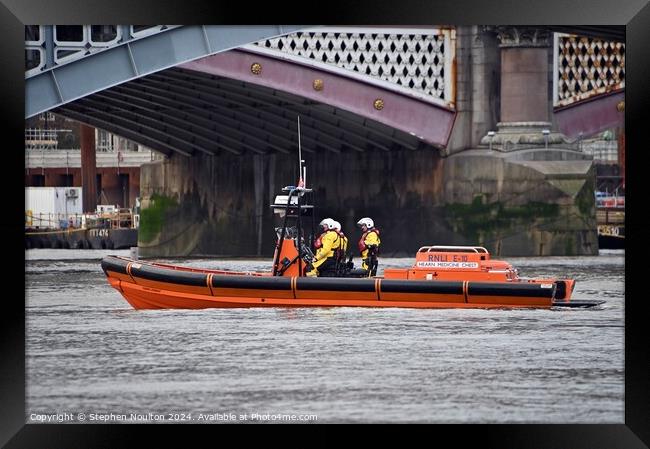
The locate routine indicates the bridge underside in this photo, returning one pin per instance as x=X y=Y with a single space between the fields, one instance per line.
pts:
x=189 y=112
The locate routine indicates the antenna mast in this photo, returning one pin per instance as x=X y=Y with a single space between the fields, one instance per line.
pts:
x=301 y=183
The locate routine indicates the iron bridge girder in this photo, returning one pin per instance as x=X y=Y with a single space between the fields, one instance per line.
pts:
x=134 y=58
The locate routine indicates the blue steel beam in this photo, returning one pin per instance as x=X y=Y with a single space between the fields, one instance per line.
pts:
x=142 y=123
x=150 y=142
x=186 y=147
x=246 y=130
x=136 y=58
x=206 y=94
x=211 y=110
x=120 y=113
x=189 y=109
x=231 y=87
x=122 y=102
x=271 y=99
x=135 y=104
x=337 y=131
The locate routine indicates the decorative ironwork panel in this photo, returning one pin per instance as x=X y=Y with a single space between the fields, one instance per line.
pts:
x=586 y=67
x=416 y=60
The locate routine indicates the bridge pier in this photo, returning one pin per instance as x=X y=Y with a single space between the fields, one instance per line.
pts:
x=88 y=168
x=524 y=116
x=524 y=74
x=258 y=179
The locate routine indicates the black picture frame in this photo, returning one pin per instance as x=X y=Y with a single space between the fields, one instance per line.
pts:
x=634 y=14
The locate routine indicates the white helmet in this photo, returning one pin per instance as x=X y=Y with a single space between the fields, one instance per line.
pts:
x=366 y=221
x=327 y=222
x=336 y=225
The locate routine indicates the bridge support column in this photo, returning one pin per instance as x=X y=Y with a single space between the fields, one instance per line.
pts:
x=524 y=115
x=88 y=168
x=524 y=74
x=258 y=179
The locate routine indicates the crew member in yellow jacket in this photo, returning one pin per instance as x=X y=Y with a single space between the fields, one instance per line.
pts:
x=369 y=245
x=326 y=246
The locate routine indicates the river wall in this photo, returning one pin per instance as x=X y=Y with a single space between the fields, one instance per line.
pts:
x=536 y=202
x=525 y=203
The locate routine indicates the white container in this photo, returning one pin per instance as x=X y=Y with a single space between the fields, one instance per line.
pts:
x=106 y=209
x=51 y=207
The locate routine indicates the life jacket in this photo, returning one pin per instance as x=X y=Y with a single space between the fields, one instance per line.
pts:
x=319 y=241
x=335 y=243
x=362 y=241
x=343 y=246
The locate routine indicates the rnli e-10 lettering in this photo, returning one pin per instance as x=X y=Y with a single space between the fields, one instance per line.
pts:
x=447 y=258
x=458 y=261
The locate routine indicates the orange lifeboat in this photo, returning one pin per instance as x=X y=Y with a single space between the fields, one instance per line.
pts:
x=441 y=277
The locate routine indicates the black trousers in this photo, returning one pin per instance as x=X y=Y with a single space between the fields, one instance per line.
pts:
x=327 y=268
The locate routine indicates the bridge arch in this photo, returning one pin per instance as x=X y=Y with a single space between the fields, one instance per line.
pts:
x=132 y=55
x=247 y=99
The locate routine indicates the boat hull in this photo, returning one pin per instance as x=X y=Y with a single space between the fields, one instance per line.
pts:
x=155 y=286
x=611 y=241
x=148 y=298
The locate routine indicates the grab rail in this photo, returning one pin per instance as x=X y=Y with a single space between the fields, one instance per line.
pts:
x=461 y=249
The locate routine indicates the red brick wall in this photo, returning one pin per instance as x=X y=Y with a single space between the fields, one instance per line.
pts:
x=111 y=182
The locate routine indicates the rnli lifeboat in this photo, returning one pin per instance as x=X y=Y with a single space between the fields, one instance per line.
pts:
x=440 y=277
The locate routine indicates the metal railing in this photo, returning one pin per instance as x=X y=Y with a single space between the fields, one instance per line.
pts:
x=43 y=138
x=576 y=145
x=123 y=218
x=41 y=158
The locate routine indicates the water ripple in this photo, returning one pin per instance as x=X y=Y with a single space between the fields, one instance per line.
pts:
x=88 y=351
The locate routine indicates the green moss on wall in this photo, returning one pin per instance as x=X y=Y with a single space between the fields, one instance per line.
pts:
x=483 y=218
x=585 y=199
x=152 y=218
x=569 y=247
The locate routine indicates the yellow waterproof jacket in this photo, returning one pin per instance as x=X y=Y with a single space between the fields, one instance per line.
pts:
x=344 y=243
x=331 y=242
x=371 y=237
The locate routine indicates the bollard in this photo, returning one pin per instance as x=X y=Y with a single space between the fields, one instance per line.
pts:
x=134 y=252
